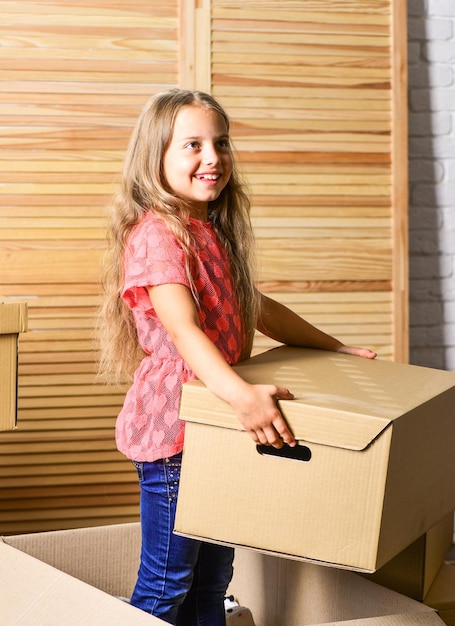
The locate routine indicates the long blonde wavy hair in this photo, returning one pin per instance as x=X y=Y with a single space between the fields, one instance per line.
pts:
x=144 y=188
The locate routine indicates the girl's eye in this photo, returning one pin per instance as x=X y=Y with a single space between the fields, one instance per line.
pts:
x=192 y=145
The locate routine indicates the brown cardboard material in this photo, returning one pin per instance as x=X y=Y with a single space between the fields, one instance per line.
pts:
x=13 y=320
x=441 y=595
x=413 y=571
x=382 y=445
x=35 y=593
x=70 y=577
x=106 y=557
x=282 y=592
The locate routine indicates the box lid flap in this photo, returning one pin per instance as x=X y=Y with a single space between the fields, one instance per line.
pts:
x=339 y=400
x=354 y=431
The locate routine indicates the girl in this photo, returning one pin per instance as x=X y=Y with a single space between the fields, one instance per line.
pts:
x=181 y=303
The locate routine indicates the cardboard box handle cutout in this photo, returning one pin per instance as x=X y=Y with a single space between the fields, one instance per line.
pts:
x=297 y=453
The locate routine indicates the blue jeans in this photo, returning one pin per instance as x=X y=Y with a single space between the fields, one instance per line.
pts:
x=182 y=581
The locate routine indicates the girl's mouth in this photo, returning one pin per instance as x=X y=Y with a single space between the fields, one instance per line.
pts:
x=208 y=176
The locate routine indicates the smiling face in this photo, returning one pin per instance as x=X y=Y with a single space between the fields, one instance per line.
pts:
x=198 y=161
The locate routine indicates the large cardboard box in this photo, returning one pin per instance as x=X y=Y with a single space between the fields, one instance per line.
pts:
x=13 y=320
x=377 y=444
x=71 y=577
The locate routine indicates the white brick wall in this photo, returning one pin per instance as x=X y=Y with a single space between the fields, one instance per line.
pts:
x=431 y=62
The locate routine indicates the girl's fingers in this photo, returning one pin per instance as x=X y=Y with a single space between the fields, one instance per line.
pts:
x=273 y=438
x=274 y=432
x=363 y=352
x=283 y=394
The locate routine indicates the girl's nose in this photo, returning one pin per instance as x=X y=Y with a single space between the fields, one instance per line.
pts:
x=210 y=155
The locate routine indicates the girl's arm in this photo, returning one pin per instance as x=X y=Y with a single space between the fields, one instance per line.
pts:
x=283 y=325
x=254 y=405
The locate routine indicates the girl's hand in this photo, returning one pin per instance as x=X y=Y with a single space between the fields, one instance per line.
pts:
x=364 y=352
x=257 y=411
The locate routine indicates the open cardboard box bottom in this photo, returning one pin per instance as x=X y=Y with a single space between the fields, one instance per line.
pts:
x=71 y=577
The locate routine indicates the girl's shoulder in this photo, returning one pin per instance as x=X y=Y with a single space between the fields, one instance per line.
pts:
x=150 y=220
x=151 y=226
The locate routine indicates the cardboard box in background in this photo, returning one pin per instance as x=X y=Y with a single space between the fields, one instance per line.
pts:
x=441 y=595
x=13 y=320
x=380 y=444
x=413 y=571
x=70 y=578
x=95 y=564
x=282 y=592
x=36 y=594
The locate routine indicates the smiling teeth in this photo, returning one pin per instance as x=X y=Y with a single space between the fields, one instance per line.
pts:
x=210 y=176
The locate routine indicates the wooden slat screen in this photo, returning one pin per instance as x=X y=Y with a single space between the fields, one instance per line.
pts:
x=315 y=92
x=74 y=77
x=309 y=86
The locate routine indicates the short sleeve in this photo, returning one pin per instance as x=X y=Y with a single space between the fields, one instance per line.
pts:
x=153 y=256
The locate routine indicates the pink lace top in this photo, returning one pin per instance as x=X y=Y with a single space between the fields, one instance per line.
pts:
x=148 y=427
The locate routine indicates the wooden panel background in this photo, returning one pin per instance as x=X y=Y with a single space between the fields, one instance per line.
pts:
x=310 y=87
x=316 y=94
